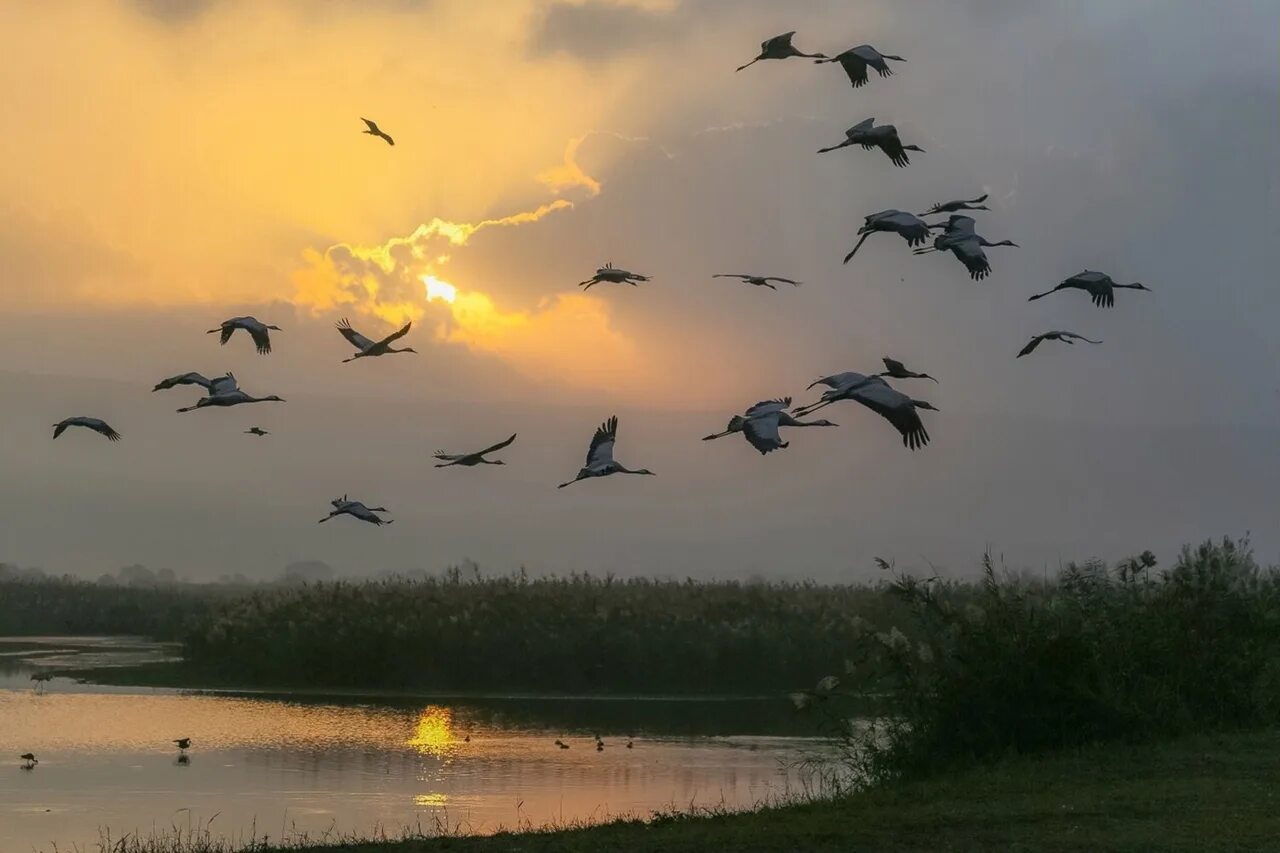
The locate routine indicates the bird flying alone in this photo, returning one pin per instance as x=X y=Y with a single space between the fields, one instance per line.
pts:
x=469 y=459
x=780 y=47
x=259 y=331
x=856 y=60
x=356 y=509
x=758 y=280
x=759 y=425
x=366 y=348
x=1065 y=337
x=895 y=369
x=183 y=743
x=870 y=135
x=600 y=461
x=613 y=274
x=99 y=426
x=374 y=130
x=259 y=431
x=1100 y=287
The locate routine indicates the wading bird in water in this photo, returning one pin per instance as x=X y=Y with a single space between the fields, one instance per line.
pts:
x=870 y=135
x=855 y=60
x=259 y=431
x=367 y=348
x=374 y=130
x=41 y=678
x=600 y=462
x=613 y=274
x=908 y=226
x=1065 y=337
x=880 y=397
x=895 y=369
x=962 y=241
x=99 y=426
x=184 y=743
x=958 y=204
x=259 y=331
x=28 y=760
x=469 y=459
x=356 y=509
x=1099 y=286
x=759 y=425
x=780 y=47
x=757 y=280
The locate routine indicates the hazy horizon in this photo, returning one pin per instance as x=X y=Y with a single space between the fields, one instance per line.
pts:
x=187 y=162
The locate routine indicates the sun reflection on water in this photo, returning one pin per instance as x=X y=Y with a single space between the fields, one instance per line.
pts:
x=434 y=732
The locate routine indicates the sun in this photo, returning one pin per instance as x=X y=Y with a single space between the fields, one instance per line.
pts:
x=437 y=289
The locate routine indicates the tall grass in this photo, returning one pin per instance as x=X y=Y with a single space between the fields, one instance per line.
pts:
x=31 y=606
x=514 y=633
x=1098 y=652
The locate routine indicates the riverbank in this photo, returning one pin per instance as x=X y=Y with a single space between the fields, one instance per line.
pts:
x=1201 y=794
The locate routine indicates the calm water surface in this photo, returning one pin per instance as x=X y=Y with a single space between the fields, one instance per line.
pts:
x=292 y=765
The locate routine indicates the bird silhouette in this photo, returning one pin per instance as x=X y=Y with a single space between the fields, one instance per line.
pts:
x=895 y=369
x=1100 y=287
x=374 y=130
x=870 y=135
x=227 y=393
x=759 y=425
x=877 y=395
x=1065 y=337
x=99 y=426
x=908 y=226
x=28 y=760
x=219 y=384
x=966 y=245
x=357 y=509
x=855 y=61
x=779 y=47
x=367 y=348
x=958 y=204
x=259 y=331
x=758 y=280
x=600 y=461
x=184 y=743
x=259 y=431
x=470 y=459
x=613 y=274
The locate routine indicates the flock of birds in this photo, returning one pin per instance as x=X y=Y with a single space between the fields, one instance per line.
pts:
x=761 y=423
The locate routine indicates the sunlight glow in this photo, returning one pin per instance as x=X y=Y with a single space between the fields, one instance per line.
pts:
x=434 y=732
x=437 y=289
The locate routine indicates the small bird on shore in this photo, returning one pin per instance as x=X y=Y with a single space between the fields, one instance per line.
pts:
x=28 y=760
x=374 y=130
x=184 y=743
x=40 y=678
x=561 y=744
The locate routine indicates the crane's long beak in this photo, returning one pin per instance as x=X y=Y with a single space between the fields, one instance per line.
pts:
x=717 y=435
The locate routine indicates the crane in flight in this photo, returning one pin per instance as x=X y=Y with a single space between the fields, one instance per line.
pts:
x=226 y=393
x=966 y=245
x=758 y=280
x=600 y=461
x=356 y=509
x=780 y=47
x=470 y=459
x=613 y=274
x=856 y=60
x=895 y=369
x=259 y=331
x=1100 y=287
x=1065 y=337
x=877 y=395
x=908 y=226
x=219 y=384
x=759 y=425
x=870 y=135
x=958 y=204
x=258 y=431
x=366 y=348
x=374 y=130
x=98 y=425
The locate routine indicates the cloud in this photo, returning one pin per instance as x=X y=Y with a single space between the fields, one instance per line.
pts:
x=601 y=31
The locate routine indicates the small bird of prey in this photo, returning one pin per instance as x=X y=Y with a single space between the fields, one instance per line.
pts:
x=374 y=130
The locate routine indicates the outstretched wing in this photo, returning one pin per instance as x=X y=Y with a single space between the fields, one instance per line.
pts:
x=261 y=338
x=601 y=450
x=59 y=428
x=223 y=385
x=864 y=125
x=227 y=330
x=498 y=446
x=762 y=433
x=893 y=365
x=353 y=337
x=969 y=252
x=897 y=409
x=854 y=67
x=1031 y=345
x=783 y=280
x=765 y=407
x=397 y=335
x=102 y=428
x=742 y=276
x=1079 y=337
x=448 y=457
x=183 y=379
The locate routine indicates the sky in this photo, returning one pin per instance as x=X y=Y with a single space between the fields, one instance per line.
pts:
x=171 y=164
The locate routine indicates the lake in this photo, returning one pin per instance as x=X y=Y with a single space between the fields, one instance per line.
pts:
x=289 y=765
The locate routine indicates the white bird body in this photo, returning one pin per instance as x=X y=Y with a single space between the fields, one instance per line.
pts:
x=879 y=396
x=966 y=245
x=1065 y=337
x=870 y=135
x=600 y=461
x=615 y=275
x=470 y=459
x=758 y=280
x=357 y=509
x=1100 y=287
x=96 y=424
x=908 y=226
x=780 y=47
x=367 y=348
x=759 y=425
x=856 y=60
x=259 y=331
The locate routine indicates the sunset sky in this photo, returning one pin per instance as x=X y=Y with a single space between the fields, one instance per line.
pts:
x=172 y=163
